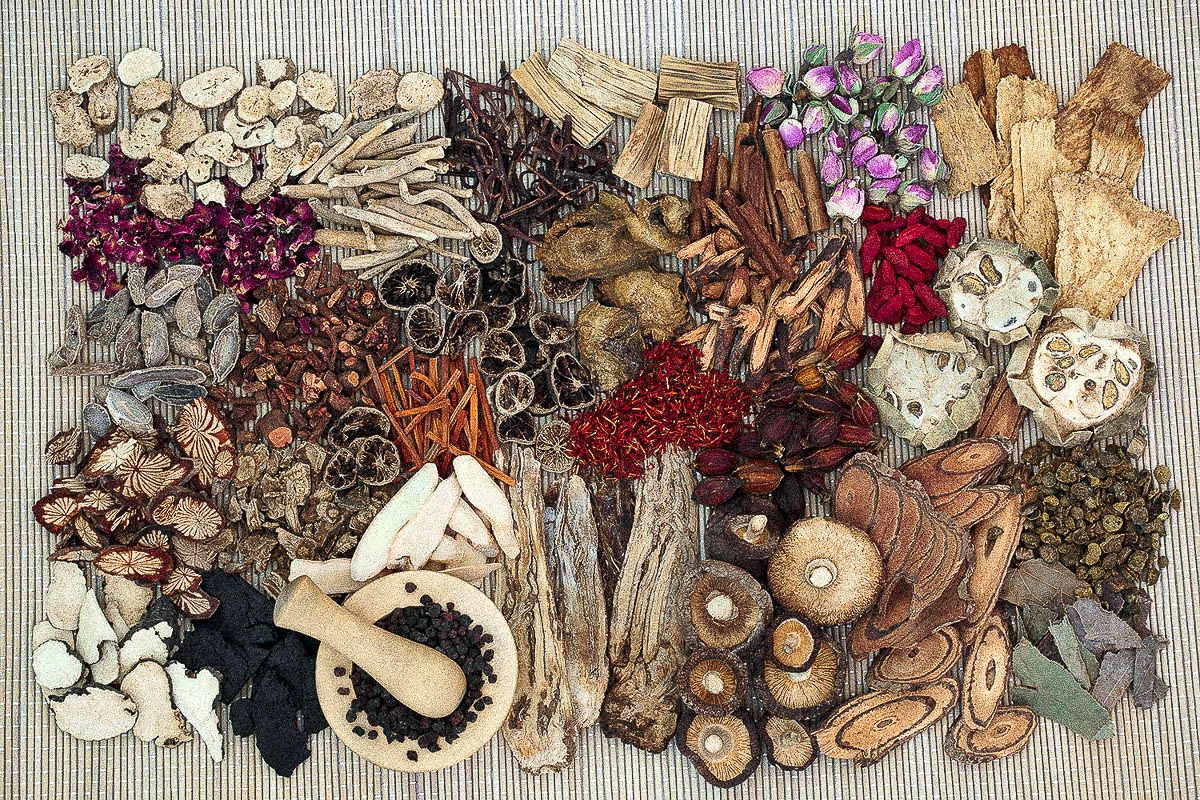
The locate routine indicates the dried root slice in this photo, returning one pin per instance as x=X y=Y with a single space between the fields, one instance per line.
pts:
x=871 y=725
x=804 y=692
x=994 y=540
x=194 y=696
x=65 y=595
x=923 y=663
x=713 y=682
x=157 y=719
x=787 y=743
x=94 y=630
x=727 y=607
x=55 y=668
x=985 y=676
x=1007 y=734
x=94 y=713
x=791 y=643
x=725 y=750
x=967 y=140
x=825 y=570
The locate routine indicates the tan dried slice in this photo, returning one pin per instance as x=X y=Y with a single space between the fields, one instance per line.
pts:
x=993 y=540
x=1035 y=162
x=1008 y=734
x=150 y=95
x=985 y=676
x=1105 y=237
x=419 y=92
x=102 y=105
x=185 y=127
x=968 y=144
x=1020 y=100
x=65 y=594
x=871 y=725
x=212 y=88
x=139 y=65
x=1002 y=415
x=1117 y=149
x=166 y=200
x=158 y=721
x=925 y=662
x=957 y=468
x=72 y=125
x=142 y=563
x=984 y=69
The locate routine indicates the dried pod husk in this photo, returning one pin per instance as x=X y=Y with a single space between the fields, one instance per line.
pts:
x=425 y=328
x=827 y=571
x=550 y=328
x=457 y=288
x=715 y=461
x=996 y=292
x=789 y=496
x=520 y=428
x=786 y=742
x=406 y=284
x=726 y=607
x=725 y=750
x=571 y=383
x=551 y=445
x=929 y=387
x=713 y=681
x=512 y=393
x=802 y=693
x=340 y=471
x=760 y=476
x=985 y=675
x=1007 y=734
x=775 y=425
x=718 y=489
x=500 y=352
x=791 y=642
x=503 y=282
x=871 y=725
x=924 y=662
x=1083 y=377
x=610 y=344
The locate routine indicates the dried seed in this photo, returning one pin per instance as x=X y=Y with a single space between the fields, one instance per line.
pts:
x=989 y=271
x=161 y=374
x=226 y=348
x=96 y=420
x=128 y=412
x=187 y=312
x=1056 y=381
x=155 y=339
x=1109 y=397
x=220 y=312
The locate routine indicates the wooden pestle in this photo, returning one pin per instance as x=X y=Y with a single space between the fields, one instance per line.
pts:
x=420 y=677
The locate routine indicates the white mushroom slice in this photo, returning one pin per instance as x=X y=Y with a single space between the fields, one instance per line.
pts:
x=489 y=500
x=247 y=135
x=211 y=192
x=241 y=174
x=55 y=668
x=127 y=598
x=331 y=120
x=274 y=70
x=419 y=91
x=331 y=576
x=165 y=165
x=94 y=713
x=139 y=65
x=85 y=168
x=468 y=524
x=371 y=555
x=87 y=72
x=102 y=105
x=45 y=632
x=420 y=535
x=287 y=132
x=283 y=95
x=107 y=669
x=238 y=158
x=158 y=720
x=211 y=88
x=65 y=595
x=144 y=644
x=94 y=629
x=150 y=95
x=199 y=166
x=167 y=200
x=317 y=89
x=217 y=145
x=254 y=103
x=185 y=127
x=194 y=696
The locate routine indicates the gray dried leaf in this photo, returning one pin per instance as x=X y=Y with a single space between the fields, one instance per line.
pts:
x=1116 y=674
x=1035 y=581
x=1047 y=688
x=187 y=312
x=226 y=348
x=178 y=394
x=1099 y=629
x=128 y=412
x=1037 y=620
x=86 y=370
x=135 y=281
x=1147 y=687
x=69 y=351
x=65 y=447
x=155 y=339
x=1075 y=657
x=163 y=374
x=192 y=347
x=220 y=312
x=96 y=420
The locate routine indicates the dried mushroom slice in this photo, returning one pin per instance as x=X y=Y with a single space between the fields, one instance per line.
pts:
x=1007 y=734
x=520 y=428
x=725 y=750
x=571 y=383
x=406 y=284
x=457 y=288
x=929 y=387
x=358 y=422
x=425 y=329
x=551 y=446
x=561 y=290
x=985 y=676
x=341 y=471
x=713 y=681
x=550 y=328
x=924 y=662
x=512 y=394
x=140 y=563
x=727 y=607
x=786 y=742
x=1083 y=377
x=805 y=692
x=791 y=643
x=376 y=460
x=500 y=352
x=503 y=282
x=827 y=571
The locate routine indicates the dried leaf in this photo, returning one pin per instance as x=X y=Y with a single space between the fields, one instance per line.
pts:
x=1100 y=630
x=1116 y=675
x=1075 y=657
x=1035 y=581
x=1051 y=692
x=1146 y=684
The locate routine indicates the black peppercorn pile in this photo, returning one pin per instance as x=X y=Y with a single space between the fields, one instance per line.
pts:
x=450 y=632
x=1097 y=514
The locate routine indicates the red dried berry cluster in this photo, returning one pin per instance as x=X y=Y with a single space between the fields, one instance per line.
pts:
x=907 y=250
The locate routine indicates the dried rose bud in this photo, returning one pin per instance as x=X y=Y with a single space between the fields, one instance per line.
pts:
x=928 y=88
x=767 y=81
x=846 y=201
x=792 y=133
x=714 y=461
x=866 y=47
x=820 y=81
x=718 y=489
x=759 y=476
x=908 y=59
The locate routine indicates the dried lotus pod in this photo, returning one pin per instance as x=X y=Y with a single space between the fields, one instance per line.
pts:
x=356 y=423
x=1083 y=377
x=406 y=284
x=551 y=446
x=807 y=692
x=725 y=750
x=713 y=681
x=996 y=292
x=571 y=383
x=1007 y=734
x=727 y=608
x=376 y=460
x=425 y=329
x=518 y=429
x=929 y=387
x=512 y=393
x=457 y=288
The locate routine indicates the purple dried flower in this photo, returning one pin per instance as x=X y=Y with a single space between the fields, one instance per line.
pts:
x=930 y=166
x=913 y=194
x=882 y=166
x=908 y=139
x=816 y=55
x=887 y=118
x=774 y=112
x=863 y=151
x=850 y=83
x=835 y=140
x=865 y=47
x=846 y=201
x=767 y=81
x=928 y=88
x=843 y=109
x=792 y=133
x=879 y=190
x=832 y=169
x=821 y=81
x=908 y=59
x=816 y=119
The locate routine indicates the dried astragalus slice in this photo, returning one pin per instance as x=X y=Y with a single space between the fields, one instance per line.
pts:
x=967 y=141
x=194 y=695
x=64 y=595
x=87 y=72
x=55 y=667
x=139 y=65
x=94 y=713
x=212 y=88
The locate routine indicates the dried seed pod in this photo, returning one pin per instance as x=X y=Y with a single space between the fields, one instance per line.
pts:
x=786 y=742
x=340 y=471
x=550 y=328
x=829 y=572
x=376 y=460
x=727 y=607
x=512 y=393
x=457 y=288
x=791 y=643
x=520 y=428
x=425 y=329
x=1007 y=734
x=551 y=444
x=996 y=292
x=725 y=750
x=96 y=420
x=406 y=284
x=871 y=725
x=503 y=282
x=760 y=476
x=924 y=662
x=713 y=681
x=715 y=461
x=718 y=489
x=804 y=692
x=500 y=352
x=985 y=676
x=571 y=383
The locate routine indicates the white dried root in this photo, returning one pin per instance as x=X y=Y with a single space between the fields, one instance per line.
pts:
x=126 y=599
x=453 y=552
x=144 y=644
x=247 y=135
x=158 y=720
x=331 y=576
x=468 y=524
x=371 y=555
x=107 y=669
x=166 y=200
x=72 y=125
x=273 y=70
x=199 y=166
x=65 y=595
x=150 y=95
x=416 y=541
x=94 y=713
x=217 y=145
x=282 y=97
x=85 y=168
x=185 y=127
x=102 y=105
x=317 y=89
x=194 y=696
x=253 y=103
x=87 y=72
x=212 y=88
x=241 y=173
x=55 y=668
x=94 y=629
x=331 y=121
x=486 y=497
x=419 y=92
x=138 y=66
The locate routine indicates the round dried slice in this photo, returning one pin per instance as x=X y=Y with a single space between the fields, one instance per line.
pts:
x=550 y=328
x=985 y=675
x=500 y=316
x=543 y=402
x=500 y=352
x=190 y=516
x=203 y=435
x=871 y=725
x=713 y=681
x=1007 y=734
x=512 y=393
x=419 y=91
x=157 y=537
x=141 y=563
x=462 y=330
x=341 y=471
x=457 y=288
x=357 y=423
x=571 y=383
x=96 y=420
x=197 y=603
x=503 y=282
x=425 y=329
x=149 y=474
x=786 y=742
x=487 y=248
x=560 y=290
x=56 y=511
x=182 y=579
x=376 y=460
x=924 y=662
x=725 y=750
x=110 y=453
x=65 y=447
x=551 y=446
x=517 y=429
x=806 y=692
x=404 y=285
x=792 y=644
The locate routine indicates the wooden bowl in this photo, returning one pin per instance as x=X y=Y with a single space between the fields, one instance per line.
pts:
x=378 y=599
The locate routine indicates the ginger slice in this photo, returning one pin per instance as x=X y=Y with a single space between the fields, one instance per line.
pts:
x=967 y=141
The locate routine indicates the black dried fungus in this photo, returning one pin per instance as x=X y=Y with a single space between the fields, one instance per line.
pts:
x=450 y=632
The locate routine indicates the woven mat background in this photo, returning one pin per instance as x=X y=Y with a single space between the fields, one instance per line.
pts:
x=1154 y=754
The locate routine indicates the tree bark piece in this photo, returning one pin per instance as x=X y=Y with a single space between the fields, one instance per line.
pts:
x=642 y=149
x=788 y=196
x=646 y=633
x=1002 y=415
x=684 y=137
x=967 y=140
x=814 y=199
x=540 y=727
x=612 y=508
x=588 y=123
x=714 y=82
x=601 y=80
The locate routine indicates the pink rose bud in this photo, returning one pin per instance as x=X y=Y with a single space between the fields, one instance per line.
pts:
x=882 y=166
x=767 y=81
x=821 y=81
x=908 y=59
x=928 y=88
x=863 y=151
x=792 y=133
x=866 y=47
x=832 y=169
x=847 y=201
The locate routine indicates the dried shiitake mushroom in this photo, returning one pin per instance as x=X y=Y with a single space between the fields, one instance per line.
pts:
x=829 y=572
x=357 y=423
x=376 y=460
x=791 y=643
x=561 y=290
x=512 y=393
x=457 y=287
x=571 y=383
x=550 y=328
x=713 y=681
x=727 y=607
x=786 y=742
x=550 y=446
x=407 y=283
x=725 y=750
x=500 y=352
x=425 y=329
x=804 y=692
x=745 y=531
x=518 y=429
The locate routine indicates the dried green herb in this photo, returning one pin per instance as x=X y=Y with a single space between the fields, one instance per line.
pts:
x=1147 y=686
x=1082 y=665
x=1100 y=630
x=1041 y=583
x=1116 y=675
x=1048 y=688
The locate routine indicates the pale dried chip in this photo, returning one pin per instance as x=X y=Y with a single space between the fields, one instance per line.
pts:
x=166 y=200
x=186 y=126
x=150 y=95
x=1021 y=99
x=85 y=168
x=273 y=70
x=1035 y=162
x=65 y=594
x=72 y=125
x=102 y=105
x=194 y=695
x=1117 y=149
x=56 y=669
x=967 y=142
x=95 y=713
x=211 y=88
x=419 y=92
x=247 y=135
x=139 y=65
x=158 y=720
x=317 y=89
x=373 y=93
x=87 y=72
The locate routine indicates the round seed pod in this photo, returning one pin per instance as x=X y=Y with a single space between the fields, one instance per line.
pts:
x=425 y=329
x=500 y=352
x=551 y=444
x=725 y=750
x=806 y=692
x=726 y=607
x=791 y=643
x=786 y=742
x=713 y=681
x=512 y=393
x=458 y=287
x=829 y=572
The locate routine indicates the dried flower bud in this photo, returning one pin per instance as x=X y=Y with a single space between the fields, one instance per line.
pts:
x=714 y=461
x=846 y=351
x=865 y=47
x=850 y=83
x=792 y=133
x=718 y=489
x=863 y=151
x=760 y=476
x=835 y=140
x=816 y=119
x=767 y=81
x=908 y=139
x=823 y=431
x=809 y=378
x=847 y=201
x=774 y=112
x=928 y=88
x=908 y=60
x=816 y=54
x=843 y=109
x=832 y=169
x=746 y=444
x=821 y=81
x=930 y=166
x=882 y=166
x=887 y=118
x=914 y=195
x=879 y=190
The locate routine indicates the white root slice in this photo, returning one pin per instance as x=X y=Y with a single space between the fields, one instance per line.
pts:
x=94 y=713
x=473 y=573
x=144 y=644
x=371 y=555
x=489 y=500
x=455 y=551
x=64 y=595
x=94 y=629
x=331 y=577
x=55 y=668
x=194 y=696
x=130 y=598
x=107 y=668
x=468 y=524
x=158 y=720
x=139 y=65
x=85 y=168
x=45 y=632
x=421 y=534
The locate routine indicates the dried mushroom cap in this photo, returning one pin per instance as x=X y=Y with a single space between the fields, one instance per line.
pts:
x=725 y=750
x=551 y=445
x=512 y=393
x=791 y=693
x=924 y=662
x=829 y=572
x=94 y=713
x=520 y=428
x=357 y=423
x=457 y=288
x=571 y=383
x=786 y=742
x=610 y=344
x=791 y=642
x=376 y=460
x=425 y=328
x=404 y=285
x=713 y=681
x=501 y=351
x=1007 y=734
x=929 y=387
x=727 y=607
x=1083 y=377
x=996 y=292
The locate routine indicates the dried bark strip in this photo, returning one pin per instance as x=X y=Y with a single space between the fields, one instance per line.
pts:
x=640 y=155
x=602 y=80
x=588 y=123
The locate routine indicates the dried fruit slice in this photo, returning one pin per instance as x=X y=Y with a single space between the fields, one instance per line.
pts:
x=112 y=452
x=462 y=329
x=871 y=725
x=512 y=393
x=157 y=538
x=550 y=328
x=503 y=282
x=985 y=676
x=827 y=571
x=425 y=329
x=65 y=447
x=727 y=607
x=520 y=428
x=792 y=644
x=141 y=563
x=571 y=383
x=725 y=750
x=786 y=742
x=550 y=446
x=181 y=580
x=56 y=511
x=357 y=423
x=148 y=474
x=196 y=603
x=205 y=437
x=340 y=470
x=806 y=692
x=713 y=681
x=457 y=288
x=189 y=515
x=376 y=460
x=500 y=352
x=1007 y=734
x=406 y=284
x=924 y=662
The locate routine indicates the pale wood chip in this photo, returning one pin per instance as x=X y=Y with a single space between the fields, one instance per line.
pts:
x=1117 y=149
x=967 y=141
x=1035 y=161
x=1021 y=99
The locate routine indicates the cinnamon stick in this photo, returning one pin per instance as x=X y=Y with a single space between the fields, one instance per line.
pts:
x=788 y=196
x=814 y=200
x=763 y=247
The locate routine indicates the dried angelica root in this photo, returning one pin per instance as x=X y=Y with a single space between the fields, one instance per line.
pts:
x=580 y=593
x=540 y=727
x=646 y=634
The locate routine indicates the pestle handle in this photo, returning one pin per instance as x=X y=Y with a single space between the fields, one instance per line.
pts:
x=420 y=677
